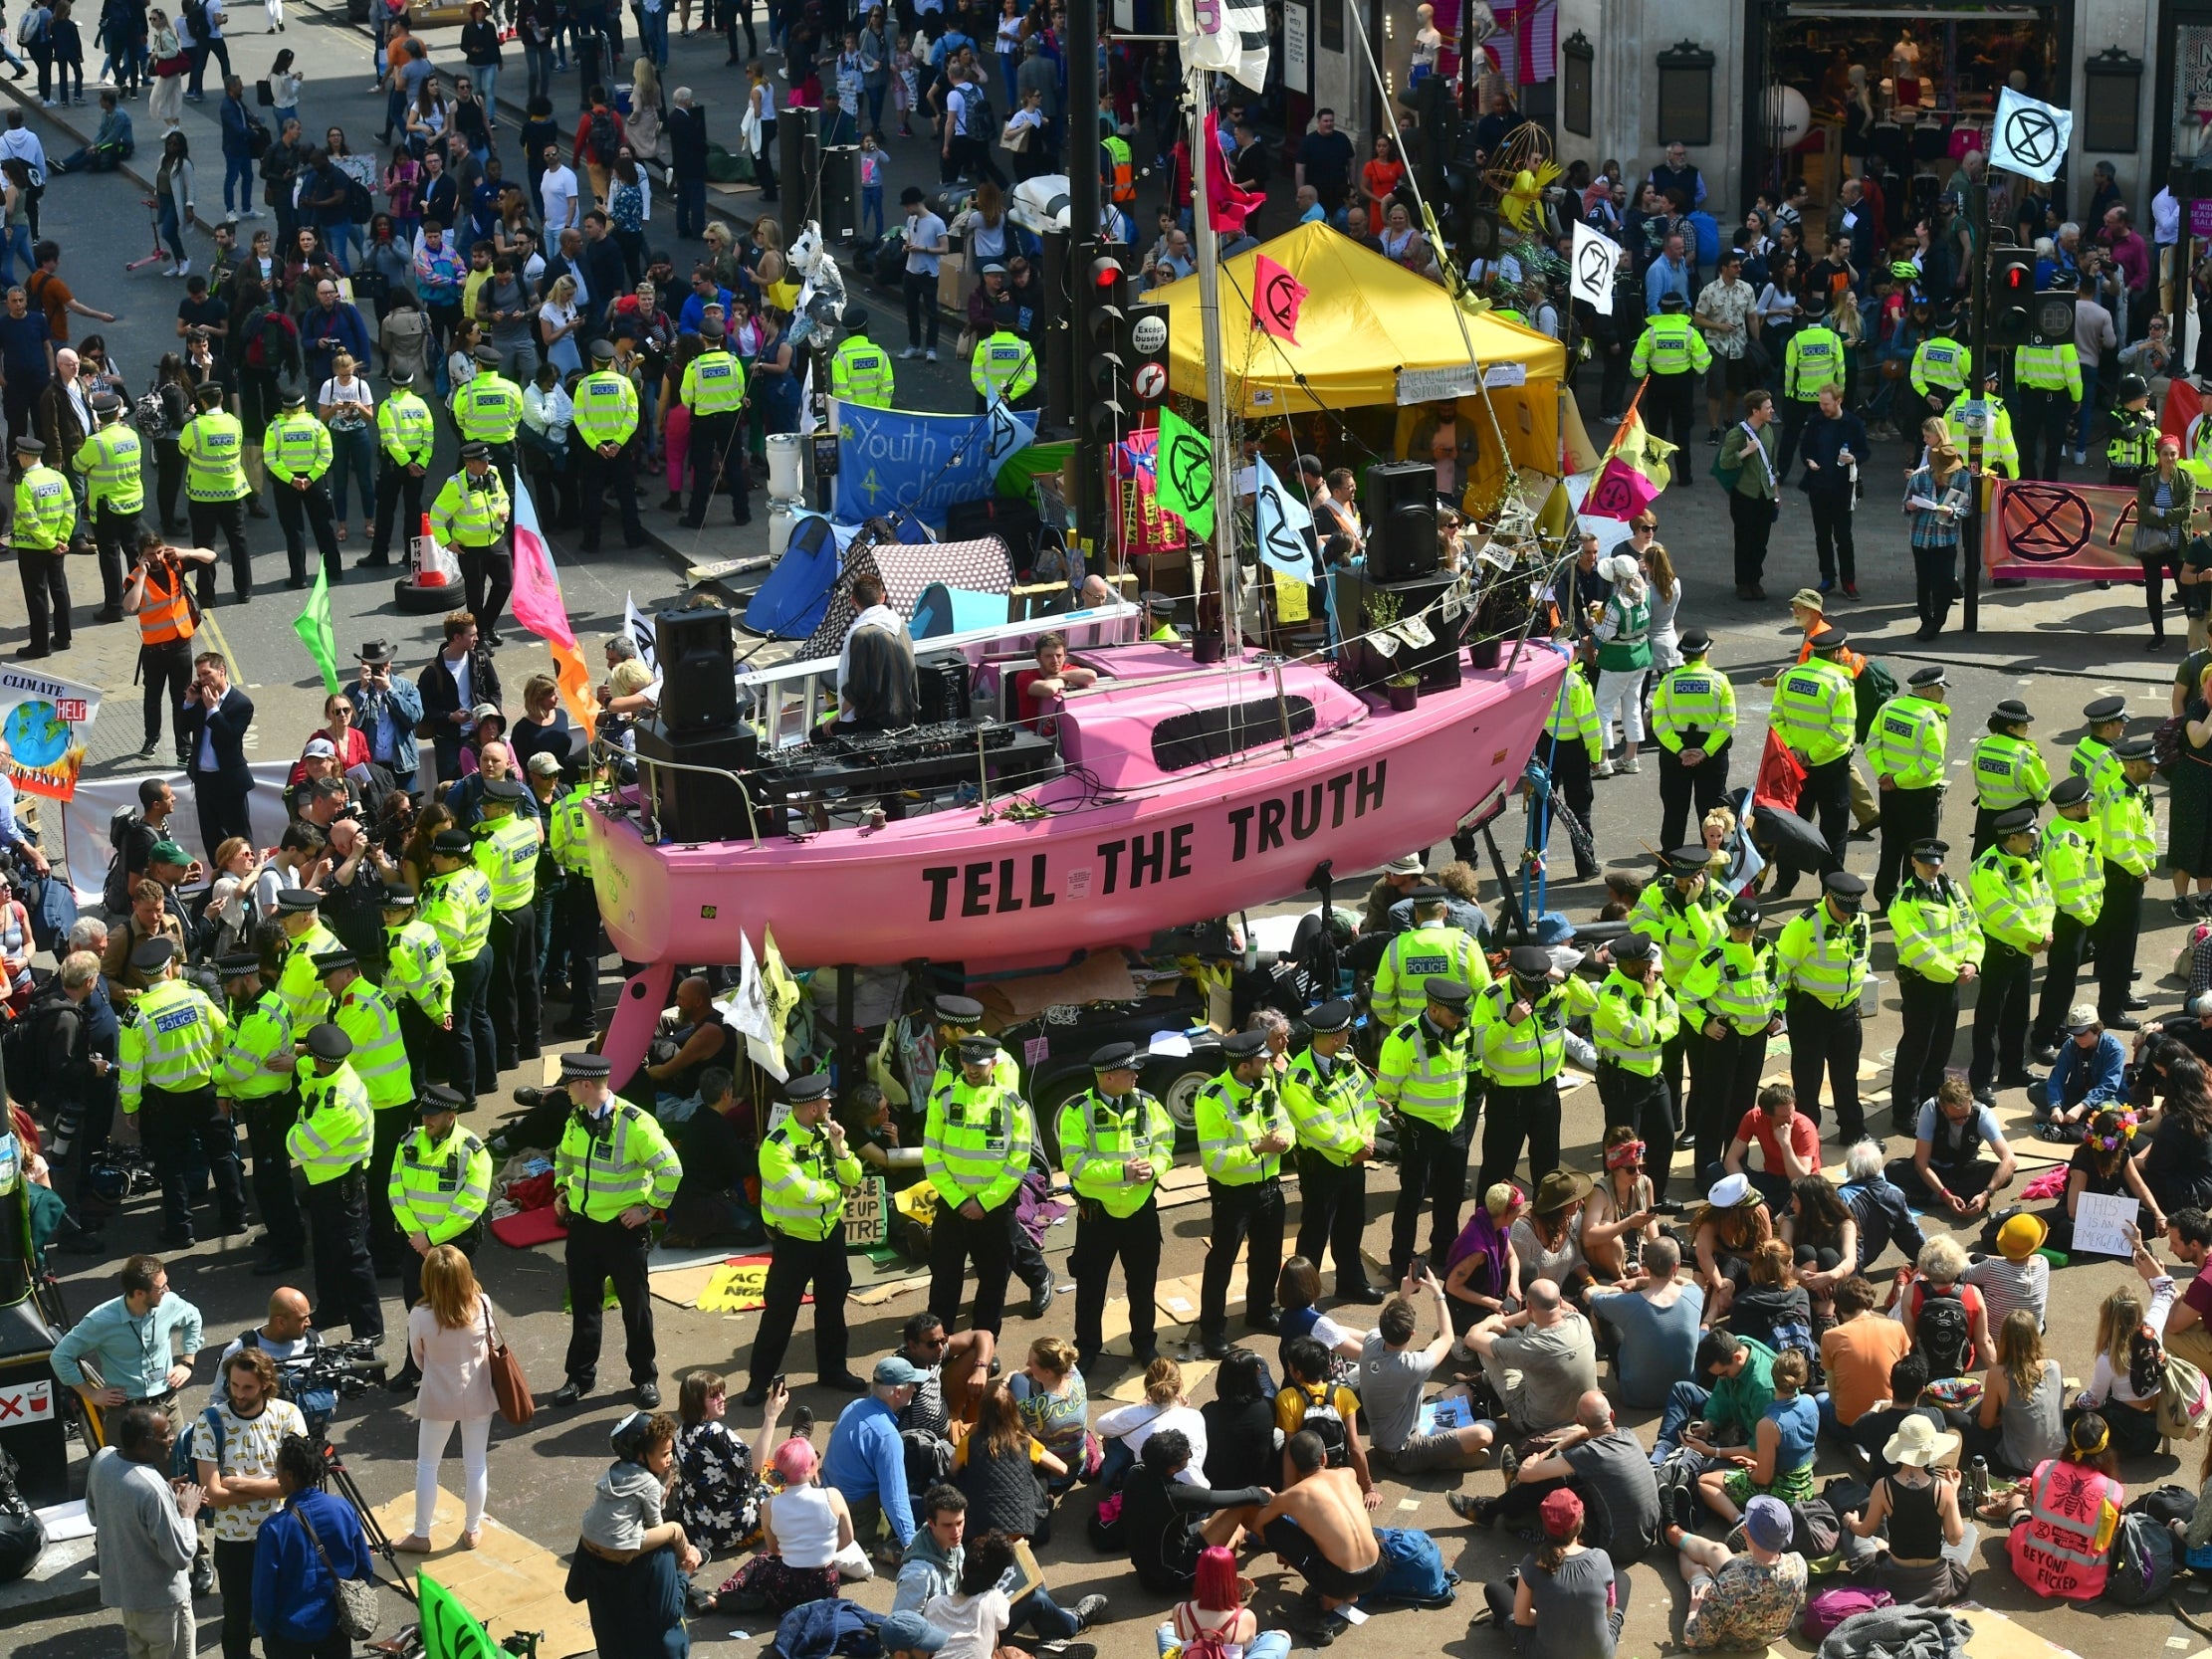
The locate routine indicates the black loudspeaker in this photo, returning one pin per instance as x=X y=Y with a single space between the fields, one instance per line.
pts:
x=696 y=806
x=941 y=685
x=1399 y=503
x=840 y=192
x=1364 y=605
x=699 y=675
x=797 y=153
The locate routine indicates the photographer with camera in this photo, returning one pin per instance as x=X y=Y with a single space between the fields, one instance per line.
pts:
x=294 y=1350
x=155 y=593
x=387 y=711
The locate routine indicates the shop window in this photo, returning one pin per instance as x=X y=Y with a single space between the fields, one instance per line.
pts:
x=1577 y=61
x=2112 y=99
x=1685 y=96
x=1332 y=25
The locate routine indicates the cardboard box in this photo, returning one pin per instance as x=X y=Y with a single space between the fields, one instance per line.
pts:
x=955 y=282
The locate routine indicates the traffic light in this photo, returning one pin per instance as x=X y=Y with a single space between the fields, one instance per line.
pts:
x=1144 y=352
x=1102 y=343
x=2012 y=294
x=2052 y=322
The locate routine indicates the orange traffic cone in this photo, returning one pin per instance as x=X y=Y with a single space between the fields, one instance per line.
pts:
x=427 y=572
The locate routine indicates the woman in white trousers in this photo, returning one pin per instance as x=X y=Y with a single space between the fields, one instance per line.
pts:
x=449 y=1336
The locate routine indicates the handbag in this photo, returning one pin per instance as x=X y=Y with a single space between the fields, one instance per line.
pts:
x=509 y=1387
x=357 y=1614
x=1015 y=138
x=2152 y=538
x=964 y=347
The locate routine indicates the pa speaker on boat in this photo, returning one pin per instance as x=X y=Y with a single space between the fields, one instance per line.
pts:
x=699 y=675
x=1401 y=506
x=941 y=681
x=696 y=806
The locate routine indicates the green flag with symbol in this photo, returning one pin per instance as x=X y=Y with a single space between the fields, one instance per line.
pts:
x=1182 y=468
x=312 y=625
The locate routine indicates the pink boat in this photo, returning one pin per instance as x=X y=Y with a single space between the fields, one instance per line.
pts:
x=1178 y=799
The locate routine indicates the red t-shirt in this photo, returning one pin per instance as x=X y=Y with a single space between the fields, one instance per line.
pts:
x=1758 y=1129
x=2198 y=1293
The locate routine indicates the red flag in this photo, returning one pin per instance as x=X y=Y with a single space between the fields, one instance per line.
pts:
x=1618 y=491
x=2184 y=408
x=1227 y=204
x=1781 y=777
x=1276 y=298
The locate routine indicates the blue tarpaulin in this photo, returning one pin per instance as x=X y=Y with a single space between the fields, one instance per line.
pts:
x=953 y=610
x=791 y=603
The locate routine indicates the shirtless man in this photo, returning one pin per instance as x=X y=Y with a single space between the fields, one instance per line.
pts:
x=1320 y=1527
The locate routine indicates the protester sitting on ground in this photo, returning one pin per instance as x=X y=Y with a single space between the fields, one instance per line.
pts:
x=2087 y=1071
x=1216 y=1613
x=1782 y=1448
x=930 y=1567
x=1774 y=1310
x=1161 y=1510
x=2062 y=1521
x=1606 y=1466
x=1055 y=1408
x=1856 y=1355
x=1297 y=1288
x=1788 y=1144
x=1727 y=1415
x=1746 y=1600
x=1731 y=1224
x=1878 y=1205
x=1946 y=1173
x=718 y=1491
x=804 y=1527
x=1547 y=1241
x=1575 y=1590
x=1319 y=1526
x=976 y=1612
x=1126 y=1428
x=1309 y=1400
x=2020 y=1418
x=2103 y=1163
x=1391 y=1372
x=998 y=1464
x=1539 y=1361
x=2189 y=1239
x=1945 y=1316
x=1822 y=1236
x=2018 y=1276
x=1483 y=1275
x=866 y=1459
x=1653 y=1327
x=1619 y=1219
x=954 y=1370
x=1240 y=1421
x=2130 y=1378
x=1919 y=1502
x=1908 y=1397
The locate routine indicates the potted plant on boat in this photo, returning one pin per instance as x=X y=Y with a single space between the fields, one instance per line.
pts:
x=1404 y=689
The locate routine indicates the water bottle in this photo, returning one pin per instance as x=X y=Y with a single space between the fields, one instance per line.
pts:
x=1977 y=1485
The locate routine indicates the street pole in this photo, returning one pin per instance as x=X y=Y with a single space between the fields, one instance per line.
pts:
x=1969 y=543
x=1216 y=377
x=1083 y=230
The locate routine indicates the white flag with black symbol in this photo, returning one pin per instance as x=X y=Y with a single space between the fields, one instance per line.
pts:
x=2029 y=138
x=1284 y=524
x=1004 y=436
x=1225 y=35
x=644 y=636
x=1595 y=259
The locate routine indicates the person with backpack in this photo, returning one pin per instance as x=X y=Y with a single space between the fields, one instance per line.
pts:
x=598 y=142
x=240 y=128
x=234 y=1459
x=2133 y=1372
x=1312 y=1402
x=1215 y=1621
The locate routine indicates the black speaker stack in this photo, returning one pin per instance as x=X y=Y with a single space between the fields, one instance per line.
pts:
x=1399 y=499
x=1364 y=605
x=698 y=725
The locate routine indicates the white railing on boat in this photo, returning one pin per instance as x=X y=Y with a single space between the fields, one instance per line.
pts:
x=790 y=698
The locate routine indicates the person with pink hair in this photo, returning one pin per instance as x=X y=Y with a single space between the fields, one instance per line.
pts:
x=1216 y=1609
x=804 y=1528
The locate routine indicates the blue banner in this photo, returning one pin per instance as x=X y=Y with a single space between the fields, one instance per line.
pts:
x=889 y=461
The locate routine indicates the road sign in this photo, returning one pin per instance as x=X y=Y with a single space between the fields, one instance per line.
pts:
x=1150 y=383
x=1149 y=333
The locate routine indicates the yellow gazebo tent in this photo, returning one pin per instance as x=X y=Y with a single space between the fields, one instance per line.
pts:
x=1370 y=333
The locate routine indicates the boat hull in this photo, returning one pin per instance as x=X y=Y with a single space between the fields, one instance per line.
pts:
x=1013 y=894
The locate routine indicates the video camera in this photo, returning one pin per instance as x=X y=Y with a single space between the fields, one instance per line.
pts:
x=348 y=1370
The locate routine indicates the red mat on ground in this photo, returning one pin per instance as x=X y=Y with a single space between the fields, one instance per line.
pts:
x=528 y=1227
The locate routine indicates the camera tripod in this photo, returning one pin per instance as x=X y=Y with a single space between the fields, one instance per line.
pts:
x=340 y=1480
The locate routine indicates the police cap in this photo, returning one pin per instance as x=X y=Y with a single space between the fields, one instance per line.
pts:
x=474 y=451
x=152 y=954
x=1932 y=852
x=2011 y=711
x=1242 y=1045
x=1452 y=993
x=1672 y=301
x=1115 y=1056
x=2104 y=708
x=2134 y=748
x=1429 y=892
x=976 y=1049
x=2069 y=790
x=1634 y=947
x=1335 y=1015
x=1696 y=643
x=1841 y=884
x=291 y=397
x=107 y=403
x=2019 y=821
x=1830 y=639
x=488 y=355
x=580 y=1064
x=802 y=1091
x=1529 y=962
x=439 y=1097
x=1689 y=861
x=504 y=789
x=329 y=1042
x=238 y=966
x=958 y=1010
x=1932 y=675
x=295 y=900
x=330 y=962
x=29 y=446
x=1743 y=913
x=602 y=351
x=398 y=898
x=1159 y=604
x=454 y=843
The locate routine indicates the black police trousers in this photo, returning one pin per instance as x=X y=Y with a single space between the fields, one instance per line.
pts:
x=1908 y=815
x=600 y=1251
x=1528 y=1113
x=387 y=1248
x=344 y=1280
x=796 y=1262
x=1924 y=1047
x=953 y=1240
x=1431 y=1172
x=2062 y=972
x=230 y=519
x=1101 y=1240
x=517 y=1020
x=183 y=1136
x=2000 y=1016
x=1332 y=1214
x=1680 y=788
x=1242 y=1216
x=1827 y=1039
x=300 y=511
x=1723 y=1087
x=267 y=1120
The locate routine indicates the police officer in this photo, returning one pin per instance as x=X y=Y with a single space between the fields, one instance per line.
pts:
x=1732 y=996
x=168 y=1046
x=977 y=1137
x=1637 y=1018
x=860 y=370
x=1821 y=961
x=1520 y=1044
x=215 y=487
x=1242 y=1133
x=1005 y=367
x=1812 y=361
x=457 y=903
x=2074 y=870
x=1816 y=716
x=1941 y=366
x=470 y=516
x=488 y=410
x=1673 y=353
x=714 y=391
x=298 y=453
x=807 y=1174
x=2000 y=452
x=2128 y=836
x=406 y=436
x=957 y=1018
x=365 y=1013
x=576 y=941
x=1115 y=1142
x=438 y=1189
x=1684 y=915
x=1939 y=949
x=1421 y=1077
x=606 y=421
x=1693 y=721
x=331 y=1142
x=506 y=852
x=112 y=458
x=1570 y=749
x=417 y=979
x=2048 y=379
x=1907 y=747
x=1159 y=618
x=1430 y=948
x=1334 y=1109
x=2133 y=449
x=612 y=1169
x=252 y=1087
x=2008 y=771
x=2104 y=719
x=45 y=520
x=299 y=918
x=2012 y=902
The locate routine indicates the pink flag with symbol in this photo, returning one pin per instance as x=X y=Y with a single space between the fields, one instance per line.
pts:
x=538 y=606
x=1276 y=298
x=1621 y=492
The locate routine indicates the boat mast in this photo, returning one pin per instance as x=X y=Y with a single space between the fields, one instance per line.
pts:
x=1217 y=380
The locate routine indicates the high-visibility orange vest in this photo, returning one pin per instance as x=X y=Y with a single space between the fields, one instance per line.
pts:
x=1850 y=659
x=164 y=616
x=1123 y=188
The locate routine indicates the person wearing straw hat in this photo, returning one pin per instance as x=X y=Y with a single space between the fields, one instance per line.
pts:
x=1918 y=1499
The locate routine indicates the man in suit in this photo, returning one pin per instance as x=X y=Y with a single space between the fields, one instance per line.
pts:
x=687 y=150
x=212 y=724
x=602 y=261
